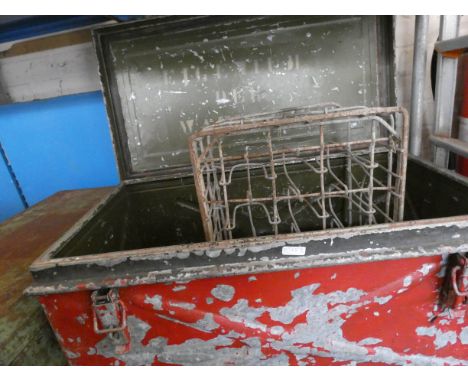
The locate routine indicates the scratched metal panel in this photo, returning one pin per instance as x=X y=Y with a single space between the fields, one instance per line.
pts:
x=164 y=79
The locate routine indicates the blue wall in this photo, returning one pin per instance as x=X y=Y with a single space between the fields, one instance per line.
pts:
x=56 y=144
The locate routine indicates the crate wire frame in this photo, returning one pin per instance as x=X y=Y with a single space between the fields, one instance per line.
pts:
x=271 y=144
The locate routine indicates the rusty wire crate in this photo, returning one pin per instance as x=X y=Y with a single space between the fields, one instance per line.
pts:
x=316 y=167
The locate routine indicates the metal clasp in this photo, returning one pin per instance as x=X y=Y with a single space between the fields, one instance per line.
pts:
x=453 y=294
x=460 y=278
x=109 y=315
x=454 y=290
x=110 y=318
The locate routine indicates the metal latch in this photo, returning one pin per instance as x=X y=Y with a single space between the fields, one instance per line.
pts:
x=454 y=292
x=459 y=276
x=110 y=318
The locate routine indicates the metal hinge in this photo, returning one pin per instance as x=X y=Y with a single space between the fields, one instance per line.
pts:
x=110 y=318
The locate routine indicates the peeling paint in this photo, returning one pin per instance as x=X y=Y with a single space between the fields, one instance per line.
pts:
x=213 y=253
x=321 y=335
x=223 y=292
x=241 y=312
x=425 y=268
x=441 y=339
x=383 y=300
x=183 y=305
x=207 y=322
x=195 y=351
x=182 y=255
x=82 y=318
x=156 y=301
x=369 y=341
x=464 y=336
x=72 y=355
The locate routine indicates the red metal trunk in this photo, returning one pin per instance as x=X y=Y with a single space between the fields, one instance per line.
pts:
x=366 y=314
x=134 y=282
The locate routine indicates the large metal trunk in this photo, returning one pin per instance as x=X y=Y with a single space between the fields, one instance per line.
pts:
x=135 y=282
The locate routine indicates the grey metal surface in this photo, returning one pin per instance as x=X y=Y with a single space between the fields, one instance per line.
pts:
x=445 y=89
x=165 y=78
x=451 y=144
x=417 y=84
x=454 y=44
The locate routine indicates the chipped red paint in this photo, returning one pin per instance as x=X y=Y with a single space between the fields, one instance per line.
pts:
x=372 y=313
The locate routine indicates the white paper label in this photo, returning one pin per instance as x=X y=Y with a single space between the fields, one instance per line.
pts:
x=293 y=251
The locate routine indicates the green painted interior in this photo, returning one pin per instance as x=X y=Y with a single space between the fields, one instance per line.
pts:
x=165 y=212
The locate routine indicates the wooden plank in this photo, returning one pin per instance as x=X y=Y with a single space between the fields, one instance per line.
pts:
x=25 y=335
x=48 y=42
